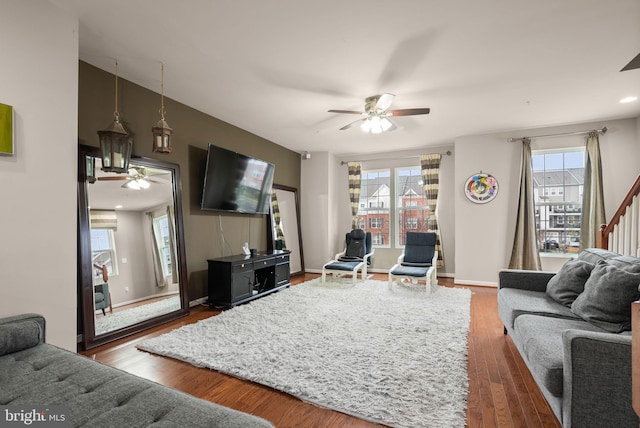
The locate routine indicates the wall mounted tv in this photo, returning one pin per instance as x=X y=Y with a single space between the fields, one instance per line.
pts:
x=234 y=182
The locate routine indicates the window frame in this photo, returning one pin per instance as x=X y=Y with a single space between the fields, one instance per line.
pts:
x=554 y=230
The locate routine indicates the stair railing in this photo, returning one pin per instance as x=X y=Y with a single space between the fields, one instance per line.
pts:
x=622 y=234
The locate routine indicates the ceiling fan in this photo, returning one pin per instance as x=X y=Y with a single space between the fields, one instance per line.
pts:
x=136 y=179
x=376 y=113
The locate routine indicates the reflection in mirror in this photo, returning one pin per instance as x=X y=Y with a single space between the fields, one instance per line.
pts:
x=286 y=225
x=132 y=252
x=132 y=246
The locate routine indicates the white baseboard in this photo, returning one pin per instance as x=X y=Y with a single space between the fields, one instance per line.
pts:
x=200 y=301
x=129 y=302
x=478 y=283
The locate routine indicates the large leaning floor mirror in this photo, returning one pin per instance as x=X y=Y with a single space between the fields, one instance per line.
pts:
x=285 y=225
x=131 y=259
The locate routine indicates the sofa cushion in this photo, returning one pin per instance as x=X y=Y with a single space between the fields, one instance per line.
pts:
x=569 y=282
x=22 y=333
x=513 y=302
x=607 y=297
x=540 y=341
x=594 y=255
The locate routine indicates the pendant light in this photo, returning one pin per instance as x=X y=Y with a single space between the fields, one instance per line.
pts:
x=162 y=132
x=115 y=143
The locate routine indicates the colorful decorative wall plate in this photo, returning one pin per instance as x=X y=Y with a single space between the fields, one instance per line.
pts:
x=481 y=188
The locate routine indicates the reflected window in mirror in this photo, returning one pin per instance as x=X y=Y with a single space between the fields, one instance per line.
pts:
x=103 y=253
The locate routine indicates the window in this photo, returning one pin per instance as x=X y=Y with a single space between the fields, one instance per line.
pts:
x=103 y=253
x=376 y=223
x=412 y=210
x=161 y=230
x=558 y=177
x=375 y=200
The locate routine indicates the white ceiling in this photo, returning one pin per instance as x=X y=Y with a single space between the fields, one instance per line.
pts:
x=274 y=68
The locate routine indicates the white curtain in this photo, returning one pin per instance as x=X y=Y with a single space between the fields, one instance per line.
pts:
x=593 y=197
x=172 y=244
x=155 y=255
x=524 y=254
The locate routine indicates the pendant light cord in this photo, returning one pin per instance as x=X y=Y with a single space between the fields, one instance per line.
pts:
x=162 y=92
x=115 y=113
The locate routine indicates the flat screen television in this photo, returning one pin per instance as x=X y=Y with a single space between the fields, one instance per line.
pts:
x=235 y=182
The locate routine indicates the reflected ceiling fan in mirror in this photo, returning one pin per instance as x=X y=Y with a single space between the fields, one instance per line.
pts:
x=376 y=114
x=136 y=179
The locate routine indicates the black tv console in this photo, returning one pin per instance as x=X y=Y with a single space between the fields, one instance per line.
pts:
x=238 y=279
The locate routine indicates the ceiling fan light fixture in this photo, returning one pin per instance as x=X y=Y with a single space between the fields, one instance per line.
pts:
x=133 y=185
x=162 y=131
x=376 y=125
x=115 y=143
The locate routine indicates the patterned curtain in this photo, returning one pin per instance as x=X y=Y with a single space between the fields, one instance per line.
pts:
x=524 y=254
x=354 y=191
x=276 y=219
x=103 y=219
x=430 y=170
x=592 y=197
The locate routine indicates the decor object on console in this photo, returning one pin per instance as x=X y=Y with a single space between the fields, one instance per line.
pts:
x=481 y=188
x=115 y=143
x=418 y=261
x=35 y=373
x=397 y=358
x=162 y=131
x=572 y=329
x=356 y=257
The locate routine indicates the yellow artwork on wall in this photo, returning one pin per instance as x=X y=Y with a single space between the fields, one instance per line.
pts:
x=6 y=129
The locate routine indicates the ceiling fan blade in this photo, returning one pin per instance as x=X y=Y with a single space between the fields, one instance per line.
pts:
x=635 y=63
x=112 y=178
x=351 y=124
x=393 y=127
x=384 y=102
x=345 y=111
x=408 y=111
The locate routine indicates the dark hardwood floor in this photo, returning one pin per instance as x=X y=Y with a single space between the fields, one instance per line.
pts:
x=502 y=392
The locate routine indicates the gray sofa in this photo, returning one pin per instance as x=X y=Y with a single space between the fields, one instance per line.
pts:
x=34 y=374
x=572 y=329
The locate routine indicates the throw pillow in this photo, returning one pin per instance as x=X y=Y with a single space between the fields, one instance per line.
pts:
x=569 y=282
x=607 y=297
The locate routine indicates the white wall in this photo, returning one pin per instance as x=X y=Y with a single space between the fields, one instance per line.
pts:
x=317 y=208
x=39 y=78
x=484 y=233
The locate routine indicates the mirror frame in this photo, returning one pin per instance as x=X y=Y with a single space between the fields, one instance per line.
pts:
x=86 y=313
x=271 y=239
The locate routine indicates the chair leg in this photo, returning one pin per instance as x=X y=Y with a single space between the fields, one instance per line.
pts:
x=324 y=276
x=104 y=314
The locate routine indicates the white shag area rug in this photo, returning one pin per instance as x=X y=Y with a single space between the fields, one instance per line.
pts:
x=393 y=357
x=115 y=320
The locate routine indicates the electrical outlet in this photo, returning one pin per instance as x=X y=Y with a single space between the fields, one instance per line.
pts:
x=126 y=289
